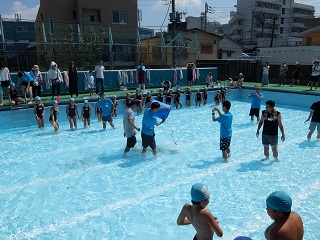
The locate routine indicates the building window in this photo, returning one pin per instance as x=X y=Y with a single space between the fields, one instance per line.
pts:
x=92 y=18
x=282 y=21
x=281 y=30
x=229 y=54
x=119 y=17
x=206 y=49
x=51 y=22
x=284 y=2
x=156 y=52
x=283 y=10
x=22 y=29
x=74 y=14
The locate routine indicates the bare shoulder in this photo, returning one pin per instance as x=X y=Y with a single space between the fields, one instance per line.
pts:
x=206 y=212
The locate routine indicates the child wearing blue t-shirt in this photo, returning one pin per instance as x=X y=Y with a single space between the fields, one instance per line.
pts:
x=256 y=97
x=225 y=121
x=106 y=106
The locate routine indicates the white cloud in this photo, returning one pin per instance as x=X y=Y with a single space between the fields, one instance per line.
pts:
x=25 y=11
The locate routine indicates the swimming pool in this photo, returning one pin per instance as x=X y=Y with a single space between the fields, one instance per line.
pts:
x=77 y=185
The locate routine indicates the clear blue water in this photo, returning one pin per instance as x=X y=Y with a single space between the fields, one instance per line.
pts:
x=77 y=185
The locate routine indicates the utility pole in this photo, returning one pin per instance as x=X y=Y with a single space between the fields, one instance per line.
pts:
x=174 y=28
x=207 y=10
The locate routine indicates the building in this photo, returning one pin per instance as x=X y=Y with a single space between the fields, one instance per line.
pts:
x=266 y=23
x=68 y=27
x=17 y=43
x=311 y=37
x=229 y=48
x=190 y=45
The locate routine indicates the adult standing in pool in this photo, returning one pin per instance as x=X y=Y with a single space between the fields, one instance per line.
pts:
x=287 y=225
x=225 y=121
x=129 y=126
x=149 y=120
x=315 y=120
x=256 y=98
x=271 y=121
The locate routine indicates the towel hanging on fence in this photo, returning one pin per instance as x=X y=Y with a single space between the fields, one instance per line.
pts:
x=119 y=77
x=198 y=73
x=194 y=75
x=174 y=76
x=47 y=81
x=131 y=77
x=148 y=75
x=124 y=77
x=181 y=74
x=66 y=78
x=86 y=74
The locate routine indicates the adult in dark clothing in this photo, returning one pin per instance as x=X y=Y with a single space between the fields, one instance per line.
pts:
x=271 y=120
x=296 y=74
x=73 y=80
x=190 y=68
x=315 y=120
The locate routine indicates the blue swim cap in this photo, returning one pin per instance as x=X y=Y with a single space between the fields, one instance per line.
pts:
x=279 y=201
x=242 y=238
x=199 y=192
x=71 y=99
x=12 y=84
x=86 y=101
x=38 y=98
x=54 y=102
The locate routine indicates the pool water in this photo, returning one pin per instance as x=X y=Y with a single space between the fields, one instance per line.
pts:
x=77 y=184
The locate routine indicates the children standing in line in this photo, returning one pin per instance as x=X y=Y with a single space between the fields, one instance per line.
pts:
x=202 y=219
x=54 y=110
x=115 y=103
x=169 y=97
x=139 y=98
x=217 y=98
x=160 y=95
x=223 y=94
x=148 y=99
x=177 y=99
x=127 y=99
x=39 y=111
x=225 y=121
x=188 y=96
x=72 y=113
x=205 y=96
x=86 y=113
x=90 y=83
x=198 y=97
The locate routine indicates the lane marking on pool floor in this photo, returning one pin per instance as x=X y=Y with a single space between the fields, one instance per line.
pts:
x=43 y=181
x=135 y=200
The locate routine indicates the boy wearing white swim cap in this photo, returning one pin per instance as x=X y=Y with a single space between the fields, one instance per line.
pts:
x=196 y=214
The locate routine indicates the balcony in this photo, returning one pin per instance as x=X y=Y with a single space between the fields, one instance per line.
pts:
x=268 y=10
x=297 y=25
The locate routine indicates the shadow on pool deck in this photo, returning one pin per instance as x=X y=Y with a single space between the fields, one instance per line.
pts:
x=255 y=166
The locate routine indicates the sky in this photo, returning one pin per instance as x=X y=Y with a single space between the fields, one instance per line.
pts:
x=155 y=13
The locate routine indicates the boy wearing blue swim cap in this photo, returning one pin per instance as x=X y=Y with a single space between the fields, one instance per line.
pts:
x=202 y=219
x=287 y=225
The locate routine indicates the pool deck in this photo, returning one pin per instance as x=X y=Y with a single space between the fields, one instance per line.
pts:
x=64 y=98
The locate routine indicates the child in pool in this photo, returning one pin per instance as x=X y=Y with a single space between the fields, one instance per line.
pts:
x=127 y=99
x=115 y=103
x=177 y=99
x=198 y=97
x=160 y=95
x=205 y=96
x=188 y=96
x=217 y=98
x=148 y=99
x=169 y=97
x=196 y=214
x=72 y=113
x=86 y=113
x=54 y=110
x=139 y=98
x=39 y=111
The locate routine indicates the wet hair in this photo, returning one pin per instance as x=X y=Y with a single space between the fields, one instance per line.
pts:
x=195 y=203
x=90 y=71
x=155 y=105
x=141 y=62
x=20 y=74
x=226 y=104
x=271 y=103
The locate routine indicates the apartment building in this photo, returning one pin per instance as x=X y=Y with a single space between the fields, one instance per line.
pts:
x=111 y=23
x=269 y=22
